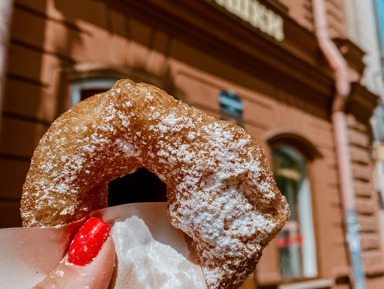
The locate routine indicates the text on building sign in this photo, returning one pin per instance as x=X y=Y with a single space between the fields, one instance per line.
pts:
x=257 y=15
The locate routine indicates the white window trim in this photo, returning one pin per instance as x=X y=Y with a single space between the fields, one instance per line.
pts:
x=313 y=284
x=306 y=221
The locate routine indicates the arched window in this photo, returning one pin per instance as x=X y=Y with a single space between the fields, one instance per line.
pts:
x=141 y=186
x=297 y=248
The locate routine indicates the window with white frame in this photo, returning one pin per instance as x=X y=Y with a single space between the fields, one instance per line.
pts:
x=296 y=242
x=84 y=88
x=141 y=186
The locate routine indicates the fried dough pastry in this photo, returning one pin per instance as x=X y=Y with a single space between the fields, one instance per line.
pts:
x=220 y=190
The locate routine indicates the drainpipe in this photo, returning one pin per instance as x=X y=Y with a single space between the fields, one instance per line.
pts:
x=6 y=7
x=339 y=66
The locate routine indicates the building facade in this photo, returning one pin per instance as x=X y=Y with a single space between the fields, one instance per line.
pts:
x=259 y=63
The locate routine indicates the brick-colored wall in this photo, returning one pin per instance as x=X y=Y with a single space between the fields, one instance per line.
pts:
x=301 y=11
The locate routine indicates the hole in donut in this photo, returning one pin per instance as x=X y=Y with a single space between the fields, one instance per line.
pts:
x=139 y=187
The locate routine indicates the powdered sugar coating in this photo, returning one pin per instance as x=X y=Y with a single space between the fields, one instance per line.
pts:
x=219 y=187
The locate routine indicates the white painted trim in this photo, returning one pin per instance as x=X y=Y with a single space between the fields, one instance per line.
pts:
x=89 y=83
x=313 y=284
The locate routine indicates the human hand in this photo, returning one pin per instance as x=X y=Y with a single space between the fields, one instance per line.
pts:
x=89 y=262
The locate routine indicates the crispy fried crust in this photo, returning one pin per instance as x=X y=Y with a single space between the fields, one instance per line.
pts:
x=219 y=187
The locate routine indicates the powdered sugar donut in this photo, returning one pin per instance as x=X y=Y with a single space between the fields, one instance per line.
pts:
x=220 y=189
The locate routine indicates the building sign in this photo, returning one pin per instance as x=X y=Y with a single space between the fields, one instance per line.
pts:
x=257 y=15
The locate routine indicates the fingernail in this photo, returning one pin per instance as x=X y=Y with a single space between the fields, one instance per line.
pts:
x=88 y=241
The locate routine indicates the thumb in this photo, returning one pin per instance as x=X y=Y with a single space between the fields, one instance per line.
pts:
x=90 y=260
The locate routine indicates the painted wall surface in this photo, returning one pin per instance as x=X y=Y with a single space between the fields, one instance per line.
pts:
x=54 y=43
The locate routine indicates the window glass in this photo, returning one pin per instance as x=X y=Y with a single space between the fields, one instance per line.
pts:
x=83 y=88
x=231 y=107
x=296 y=241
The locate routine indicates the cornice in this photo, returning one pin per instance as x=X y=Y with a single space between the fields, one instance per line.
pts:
x=361 y=102
x=275 y=5
x=295 y=63
x=352 y=53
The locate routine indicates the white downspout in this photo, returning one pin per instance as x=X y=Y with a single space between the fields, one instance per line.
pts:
x=340 y=68
x=6 y=8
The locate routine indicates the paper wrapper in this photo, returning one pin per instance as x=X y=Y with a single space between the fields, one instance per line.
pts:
x=150 y=252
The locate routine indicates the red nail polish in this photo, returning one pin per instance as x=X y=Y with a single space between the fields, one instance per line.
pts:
x=88 y=241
